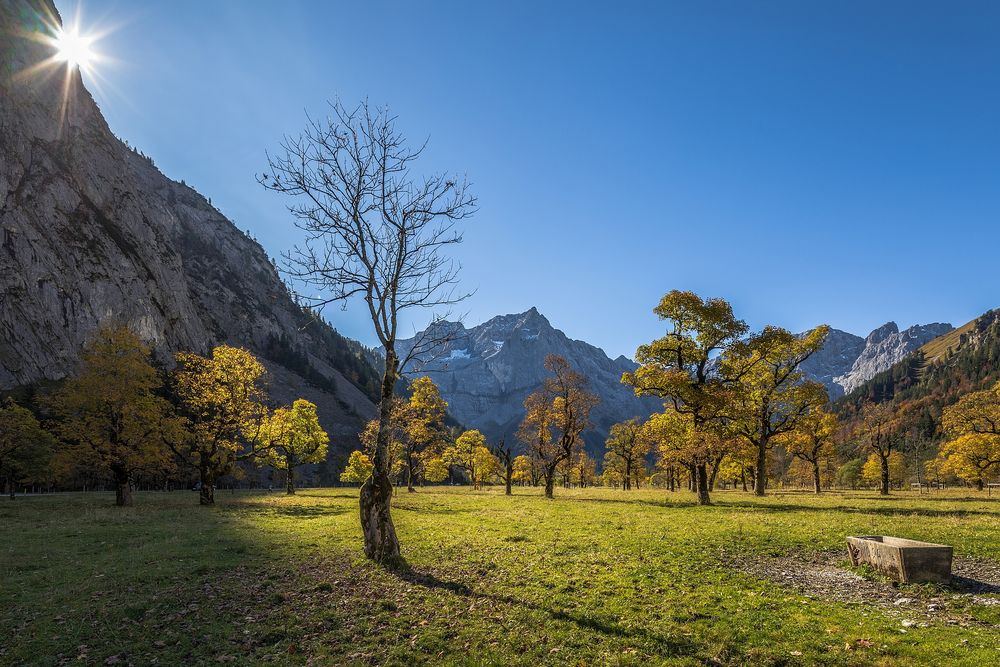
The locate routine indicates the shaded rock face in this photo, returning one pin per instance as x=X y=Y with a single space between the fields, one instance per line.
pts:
x=836 y=357
x=91 y=233
x=486 y=372
x=846 y=361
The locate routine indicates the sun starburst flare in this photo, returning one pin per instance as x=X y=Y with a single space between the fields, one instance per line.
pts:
x=69 y=54
x=73 y=49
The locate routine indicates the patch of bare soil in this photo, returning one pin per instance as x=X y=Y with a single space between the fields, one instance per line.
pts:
x=827 y=576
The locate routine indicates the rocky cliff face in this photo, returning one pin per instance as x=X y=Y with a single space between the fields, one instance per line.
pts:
x=884 y=347
x=486 y=372
x=91 y=233
x=835 y=358
x=846 y=361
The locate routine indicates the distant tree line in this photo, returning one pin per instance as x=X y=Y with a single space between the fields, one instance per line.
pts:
x=119 y=419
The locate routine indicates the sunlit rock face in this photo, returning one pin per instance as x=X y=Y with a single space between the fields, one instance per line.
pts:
x=846 y=361
x=91 y=233
x=486 y=372
x=884 y=347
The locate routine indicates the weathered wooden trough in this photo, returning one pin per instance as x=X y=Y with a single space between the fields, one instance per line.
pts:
x=904 y=560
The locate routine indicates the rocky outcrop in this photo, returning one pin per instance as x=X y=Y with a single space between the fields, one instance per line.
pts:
x=486 y=372
x=884 y=347
x=846 y=361
x=836 y=357
x=92 y=233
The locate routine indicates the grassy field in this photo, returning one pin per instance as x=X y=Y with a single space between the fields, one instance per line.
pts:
x=594 y=577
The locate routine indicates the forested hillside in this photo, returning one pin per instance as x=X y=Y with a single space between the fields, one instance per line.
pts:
x=935 y=376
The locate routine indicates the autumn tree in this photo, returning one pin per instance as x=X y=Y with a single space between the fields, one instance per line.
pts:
x=584 y=470
x=296 y=438
x=469 y=452
x=436 y=470
x=376 y=232
x=972 y=425
x=223 y=398
x=678 y=444
x=556 y=415
x=874 y=469
x=877 y=433
x=523 y=470
x=771 y=395
x=812 y=441
x=358 y=469
x=626 y=449
x=110 y=413
x=424 y=426
x=25 y=447
x=679 y=369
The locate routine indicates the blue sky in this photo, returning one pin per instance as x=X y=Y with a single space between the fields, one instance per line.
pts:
x=811 y=162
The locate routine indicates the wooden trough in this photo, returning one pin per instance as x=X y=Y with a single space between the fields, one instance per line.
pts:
x=903 y=560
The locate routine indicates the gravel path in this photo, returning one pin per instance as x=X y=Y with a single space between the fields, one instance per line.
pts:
x=825 y=576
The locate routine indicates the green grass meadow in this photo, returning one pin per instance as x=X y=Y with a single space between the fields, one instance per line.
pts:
x=594 y=577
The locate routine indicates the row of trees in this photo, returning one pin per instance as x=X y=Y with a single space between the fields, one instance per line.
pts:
x=120 y=417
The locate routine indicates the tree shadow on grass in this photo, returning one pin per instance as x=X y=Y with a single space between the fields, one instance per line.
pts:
x=852 y=509
x=675 y=646
x=296 y=511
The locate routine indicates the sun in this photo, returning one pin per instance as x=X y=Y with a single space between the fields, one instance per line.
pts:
x=73 y=49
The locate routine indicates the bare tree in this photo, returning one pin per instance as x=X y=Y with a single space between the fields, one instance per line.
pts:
x=505 y=454
x=375 y=232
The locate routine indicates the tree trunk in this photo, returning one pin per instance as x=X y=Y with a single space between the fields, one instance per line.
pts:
x=628 y=475
x=761 y=476
x=510 y=474
x=816 y=481
x=10 y=486
x=979 y=484
x=743 y=478
x=123 y=491
x=290 y=477
x=702 y=484
x=885 y=475
x=206 y=494
x=550 y=479
x=409 y=474
x=715 y=473
x=381 y=543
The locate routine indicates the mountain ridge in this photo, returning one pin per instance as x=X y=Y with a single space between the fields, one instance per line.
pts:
x=485 y=372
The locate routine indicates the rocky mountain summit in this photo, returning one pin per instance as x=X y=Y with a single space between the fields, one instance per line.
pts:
x=884 y=347
x=846 y=361
x=486 y=372
x=92 y=233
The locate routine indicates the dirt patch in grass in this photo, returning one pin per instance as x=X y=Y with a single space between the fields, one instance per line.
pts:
x=827 y=576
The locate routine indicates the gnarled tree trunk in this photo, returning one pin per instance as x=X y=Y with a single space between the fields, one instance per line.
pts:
x=816 y=481
x=760 y=478
x=290 y=477
x=702 y=484
x=885 y=475
x=206 y=494
x=381 y=543
x=123 y=491
x=550 y=478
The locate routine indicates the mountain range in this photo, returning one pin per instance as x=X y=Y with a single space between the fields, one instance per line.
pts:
x=485 y=372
